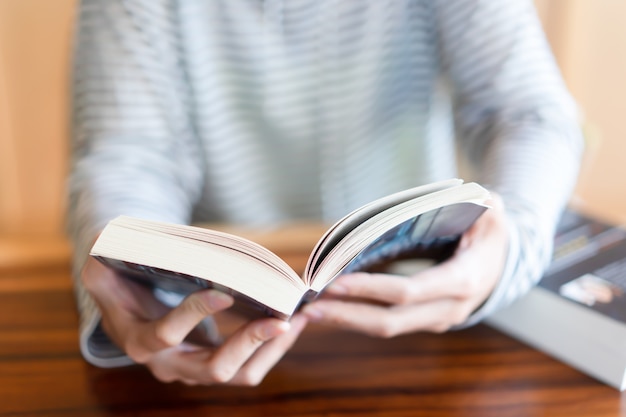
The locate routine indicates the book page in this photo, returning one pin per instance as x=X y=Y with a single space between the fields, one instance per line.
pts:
x=349 y=222
x=455 y=210
x=194 y=254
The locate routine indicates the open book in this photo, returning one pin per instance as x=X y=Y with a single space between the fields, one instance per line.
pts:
x=423 y=221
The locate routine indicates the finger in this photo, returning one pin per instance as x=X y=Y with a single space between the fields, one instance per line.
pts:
x=441 y=281
x=388 y=289
x=255 y=369
x=226 y=361
x=123 y=304
x=115 y=300
x=172 y=329
x=176 y=364
x=380 y=321
x=140 y=301
x=473 y=270
x=106 y=286
x=198 y=366
x=147 y=337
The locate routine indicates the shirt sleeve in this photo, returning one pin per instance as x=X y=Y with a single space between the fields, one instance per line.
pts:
x=516 y=124
x=133 y=144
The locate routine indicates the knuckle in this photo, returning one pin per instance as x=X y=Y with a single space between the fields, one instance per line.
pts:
x=195 y=304
x=165 y=337
x=95 y=276
x=163 y=373
x=257 y=337
x=90 y=282
x=163 y=376
x=406 y=294
x=249 y=378
x=137 y=353
x=87 y=281
x=440 y=327
x=388 y=329
x=386 y=333
x=455 y=316
x=464 y=287
x=457 y=271
x=467 y=286
x=337 y=320
x=472 y=287
x=189 y=382
x=461 y=314
x=219 y=374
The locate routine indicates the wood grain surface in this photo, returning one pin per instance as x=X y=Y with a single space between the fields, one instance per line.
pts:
x=474 y=372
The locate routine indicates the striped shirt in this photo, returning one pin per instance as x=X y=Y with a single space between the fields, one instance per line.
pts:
x=263 y=111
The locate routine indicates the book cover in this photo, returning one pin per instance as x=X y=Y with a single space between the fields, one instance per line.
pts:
x=577 y=312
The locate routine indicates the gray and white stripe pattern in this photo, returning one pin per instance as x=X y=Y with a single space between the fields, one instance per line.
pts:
x=258 y=112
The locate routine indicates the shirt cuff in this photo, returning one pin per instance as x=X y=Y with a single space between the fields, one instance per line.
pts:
x=97 y=348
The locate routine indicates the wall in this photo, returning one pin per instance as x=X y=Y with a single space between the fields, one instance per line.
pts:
x=589 y=41
x=588 y=38
x=34 y=46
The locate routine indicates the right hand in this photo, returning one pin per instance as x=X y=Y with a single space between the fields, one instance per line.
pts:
x=152 y=334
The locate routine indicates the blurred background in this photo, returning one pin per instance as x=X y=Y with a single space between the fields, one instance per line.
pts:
x=588 y=39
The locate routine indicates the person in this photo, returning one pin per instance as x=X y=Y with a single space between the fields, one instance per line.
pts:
x=259 y=112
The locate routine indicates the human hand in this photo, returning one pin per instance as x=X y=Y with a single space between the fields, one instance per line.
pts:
x=434 y=299
x=154 y=335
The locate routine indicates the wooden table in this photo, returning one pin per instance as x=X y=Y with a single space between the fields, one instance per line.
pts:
x=474 y=372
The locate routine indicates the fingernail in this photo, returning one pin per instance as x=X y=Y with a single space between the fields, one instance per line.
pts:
x=313 y=313
x=298 y=321
x=275 y=329
x=337 y=289
x=218 y=300
x=188 y=347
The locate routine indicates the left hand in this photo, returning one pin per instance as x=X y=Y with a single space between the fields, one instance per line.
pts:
x=155 y=335
x=433 y=300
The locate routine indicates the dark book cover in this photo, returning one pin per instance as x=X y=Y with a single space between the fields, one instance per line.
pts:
x=589 y=264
